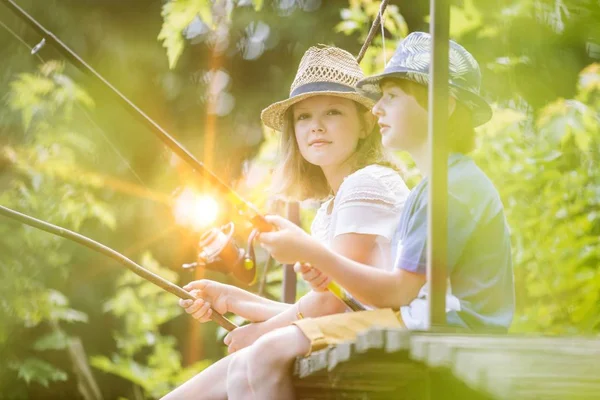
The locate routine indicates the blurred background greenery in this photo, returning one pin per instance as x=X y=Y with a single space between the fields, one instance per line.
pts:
x=203 y=70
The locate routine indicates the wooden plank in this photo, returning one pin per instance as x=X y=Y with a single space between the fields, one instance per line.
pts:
x=392 y=362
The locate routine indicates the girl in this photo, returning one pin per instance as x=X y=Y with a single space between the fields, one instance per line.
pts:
x=329 y=149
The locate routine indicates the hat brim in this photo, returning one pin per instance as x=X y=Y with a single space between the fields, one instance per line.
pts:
x=481 y=112
x=274 y=115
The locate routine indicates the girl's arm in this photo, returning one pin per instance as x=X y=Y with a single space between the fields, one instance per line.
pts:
x=227 y=298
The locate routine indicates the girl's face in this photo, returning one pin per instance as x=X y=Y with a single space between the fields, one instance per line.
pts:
x=327 y=129
x=402 y=120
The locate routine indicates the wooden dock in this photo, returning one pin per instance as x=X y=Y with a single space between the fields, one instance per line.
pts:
x=399 y=364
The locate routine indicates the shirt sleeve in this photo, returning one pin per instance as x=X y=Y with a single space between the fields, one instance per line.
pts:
x=412 y=249
x=367 y=219
x=370 y=204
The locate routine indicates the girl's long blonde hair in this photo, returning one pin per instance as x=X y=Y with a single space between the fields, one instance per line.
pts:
x=297 y=179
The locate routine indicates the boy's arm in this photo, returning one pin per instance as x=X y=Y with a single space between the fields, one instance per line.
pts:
x=369 y=285
x=373 y=286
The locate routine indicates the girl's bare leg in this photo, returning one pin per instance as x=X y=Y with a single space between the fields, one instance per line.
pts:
x=209 y=384
x=265 y=370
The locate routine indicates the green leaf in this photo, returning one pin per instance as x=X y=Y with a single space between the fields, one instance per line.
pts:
x=394 y=22
x=69 y=315
x=464 y=19
x=346 y=27
x=126 y=368
x=582 y=140
x=38 y=371
x=177 y=15
x=589 y=81
x=258 y=4
x=56 y=340
x=56 y=298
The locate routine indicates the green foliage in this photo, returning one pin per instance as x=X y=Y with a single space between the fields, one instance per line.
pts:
x=464 y=19
x=36 y=370
x=45 y=94
x=258 y=4
x=56 y=340
x=53 y=308
x=35 y=264
x=178 y=14
x=360 y=14
x=358 y=18
x=548 y=176
x=145 y=357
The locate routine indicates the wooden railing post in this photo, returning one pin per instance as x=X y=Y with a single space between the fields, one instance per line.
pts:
x=437 y=243
x=288 y=292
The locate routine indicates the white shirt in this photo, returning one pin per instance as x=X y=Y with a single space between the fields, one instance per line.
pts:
x=369 y=201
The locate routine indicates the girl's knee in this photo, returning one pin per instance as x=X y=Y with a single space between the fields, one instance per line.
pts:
x=238 y=379
x=237 y=364
x=280 y=347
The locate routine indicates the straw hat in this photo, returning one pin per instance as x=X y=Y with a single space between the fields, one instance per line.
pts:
x=323 y=70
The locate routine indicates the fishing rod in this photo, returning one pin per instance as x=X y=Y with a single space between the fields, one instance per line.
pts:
x=107 y=251
x=244 y=259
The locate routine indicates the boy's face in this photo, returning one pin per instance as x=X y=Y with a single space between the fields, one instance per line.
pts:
x=402 y=120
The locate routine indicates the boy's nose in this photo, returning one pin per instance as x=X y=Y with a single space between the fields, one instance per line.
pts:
x=377 y=110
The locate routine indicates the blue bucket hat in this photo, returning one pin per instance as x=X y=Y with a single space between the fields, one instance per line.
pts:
x=411 y=61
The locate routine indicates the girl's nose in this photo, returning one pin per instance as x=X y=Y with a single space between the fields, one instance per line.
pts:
x=317 y=126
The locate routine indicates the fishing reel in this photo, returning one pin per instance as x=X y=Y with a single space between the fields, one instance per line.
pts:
x=219 y=252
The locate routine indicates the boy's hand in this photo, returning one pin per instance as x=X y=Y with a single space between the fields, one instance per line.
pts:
x=317 y=280
x=243 y=336
x=289 y=243
x=208 y=294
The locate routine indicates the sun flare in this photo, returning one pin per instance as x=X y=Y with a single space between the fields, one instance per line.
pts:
x=195 y=210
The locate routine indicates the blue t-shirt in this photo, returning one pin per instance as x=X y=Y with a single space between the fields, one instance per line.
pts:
x=479 y=251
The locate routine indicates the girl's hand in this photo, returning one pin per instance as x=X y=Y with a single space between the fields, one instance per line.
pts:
x=289 y=243
x=243 y=336
x=317 y=280
x=208 y=294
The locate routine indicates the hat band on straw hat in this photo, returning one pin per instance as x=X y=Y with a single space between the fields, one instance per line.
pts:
x=321 y=87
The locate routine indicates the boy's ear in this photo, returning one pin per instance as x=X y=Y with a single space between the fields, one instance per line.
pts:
x=451 y=105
